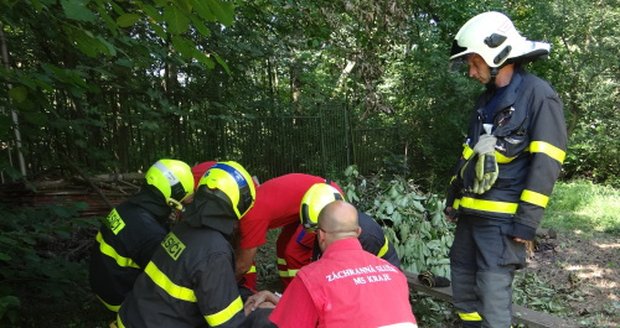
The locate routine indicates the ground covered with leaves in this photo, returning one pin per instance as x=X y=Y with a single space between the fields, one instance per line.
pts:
x=576 y=276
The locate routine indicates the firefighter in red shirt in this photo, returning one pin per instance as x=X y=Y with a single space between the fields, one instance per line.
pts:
x=277 y=205
x=347 y=287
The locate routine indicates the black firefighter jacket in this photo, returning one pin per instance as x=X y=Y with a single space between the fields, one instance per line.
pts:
x=531 y=131
x=125 y=243
x=190 y=281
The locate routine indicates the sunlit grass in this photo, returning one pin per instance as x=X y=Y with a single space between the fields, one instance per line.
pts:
x=583 y=207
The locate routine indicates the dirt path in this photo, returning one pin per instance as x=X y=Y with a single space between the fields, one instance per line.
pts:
x=585 y=271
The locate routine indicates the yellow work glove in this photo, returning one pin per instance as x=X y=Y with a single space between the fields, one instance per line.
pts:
x=486 y=164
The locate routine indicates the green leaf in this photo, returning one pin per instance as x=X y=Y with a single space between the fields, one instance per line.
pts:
x=178 y=22
x=76 y=9
x=127 y=20
x=223 y=11
x=184 y=5
x=18 y=94
x=36 y=118
x=203 y=10
x=107 y=46
x=202 y=29
x=152 y=12
x=184 y=46
x=5 y=125
x=158 y=30
x=7 y=241
x=389 y=207
x=221 y=61
x=5 y=257
x=204 y=59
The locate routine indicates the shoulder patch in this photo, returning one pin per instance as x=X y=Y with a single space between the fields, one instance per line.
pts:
x=173 y=246
x=114 y=222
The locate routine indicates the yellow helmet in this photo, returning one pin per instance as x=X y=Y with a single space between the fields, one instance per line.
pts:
x=234 y=183
x=314 y=200
x=173 y=178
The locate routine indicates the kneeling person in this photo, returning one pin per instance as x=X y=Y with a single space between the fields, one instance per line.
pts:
x=346 y=287
x=372 y=238
x=190 y=281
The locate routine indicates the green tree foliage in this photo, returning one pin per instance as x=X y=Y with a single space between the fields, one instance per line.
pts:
x=38 y=261
x=93 y=79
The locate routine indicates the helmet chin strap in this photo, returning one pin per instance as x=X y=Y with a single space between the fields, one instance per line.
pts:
x=175 y=204
x=493 y=71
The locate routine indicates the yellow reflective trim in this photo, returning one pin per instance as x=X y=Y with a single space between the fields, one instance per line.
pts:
x=456 y=203
x=292 y=273
x=452 y=179
x=108 y=250
x=384 y=248
x=502 y=159
x=252 y=269
x=467 y=151
x=472 y=316
x=549 y=150
x=535 y=198
x=230 y=311
x=119 y=322
x=489 y=205
x=174 y=290
x=283 y=274
x=113 y=308
x=281 y=261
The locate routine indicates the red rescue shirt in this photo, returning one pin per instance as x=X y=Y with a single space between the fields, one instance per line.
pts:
x=277 y=204
x=347 y=287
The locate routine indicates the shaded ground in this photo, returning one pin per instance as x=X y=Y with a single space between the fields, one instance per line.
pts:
x=584 y=271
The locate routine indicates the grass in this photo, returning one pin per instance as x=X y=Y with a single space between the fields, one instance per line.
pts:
x=583 y=207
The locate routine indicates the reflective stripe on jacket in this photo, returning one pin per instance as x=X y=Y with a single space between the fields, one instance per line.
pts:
x=190 y=282
x=373 y=240
x=124 y=244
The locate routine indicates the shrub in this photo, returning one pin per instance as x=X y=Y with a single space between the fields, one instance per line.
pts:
x=40 y=250
x=412 y=221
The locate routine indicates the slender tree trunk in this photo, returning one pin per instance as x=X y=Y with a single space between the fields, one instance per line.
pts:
x=14 y=117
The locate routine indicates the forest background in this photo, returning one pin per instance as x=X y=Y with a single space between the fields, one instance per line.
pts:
x=281 y=86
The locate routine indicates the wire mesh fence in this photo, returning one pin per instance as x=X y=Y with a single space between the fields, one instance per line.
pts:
x=323 y=144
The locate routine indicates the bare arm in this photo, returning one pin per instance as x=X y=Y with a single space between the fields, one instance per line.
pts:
x=244 y=258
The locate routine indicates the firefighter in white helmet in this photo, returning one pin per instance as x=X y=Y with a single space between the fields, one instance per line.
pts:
x=512 y=155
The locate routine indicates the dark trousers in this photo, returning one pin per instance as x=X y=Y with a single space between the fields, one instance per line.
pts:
x=483 y=259
x=259 y=319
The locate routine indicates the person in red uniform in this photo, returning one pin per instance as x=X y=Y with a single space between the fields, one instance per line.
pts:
x=199 y=170
x=277 y=205
x=346 y=287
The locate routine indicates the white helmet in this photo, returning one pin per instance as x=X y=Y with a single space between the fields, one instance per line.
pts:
x=493 y=36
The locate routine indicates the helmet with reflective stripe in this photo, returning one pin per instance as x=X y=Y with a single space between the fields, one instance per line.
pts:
x=173 y=178
x=232 y=183
x=314 y=200
x=493 y=36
